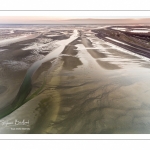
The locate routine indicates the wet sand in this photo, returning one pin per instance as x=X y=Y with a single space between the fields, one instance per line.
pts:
x=90 y=91
x=94 y=100
x=126 y=40
x=108 y=65
x=14 y=63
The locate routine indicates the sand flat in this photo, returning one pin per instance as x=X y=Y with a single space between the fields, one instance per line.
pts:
x=86 y=86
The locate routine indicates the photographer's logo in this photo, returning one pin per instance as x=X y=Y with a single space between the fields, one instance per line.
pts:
x=16 y=124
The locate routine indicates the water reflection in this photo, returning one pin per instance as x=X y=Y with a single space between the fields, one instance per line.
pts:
x=108 y=65
x=71 y=62
x=100 y=100
x=93 y=91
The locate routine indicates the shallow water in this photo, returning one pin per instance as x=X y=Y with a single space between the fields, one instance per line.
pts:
x=26 y=85
x=91 y=94
x=105 y=98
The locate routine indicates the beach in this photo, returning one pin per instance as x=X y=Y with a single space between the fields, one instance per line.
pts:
x=83 y=85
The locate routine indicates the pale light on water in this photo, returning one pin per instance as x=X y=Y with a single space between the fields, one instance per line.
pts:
x=91 y=87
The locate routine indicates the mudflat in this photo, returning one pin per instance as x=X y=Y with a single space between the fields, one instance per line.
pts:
x=83 y=85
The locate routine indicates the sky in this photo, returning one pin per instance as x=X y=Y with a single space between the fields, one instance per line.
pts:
x=70 y=20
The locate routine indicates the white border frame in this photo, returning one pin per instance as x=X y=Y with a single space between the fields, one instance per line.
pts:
x=102 y=14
